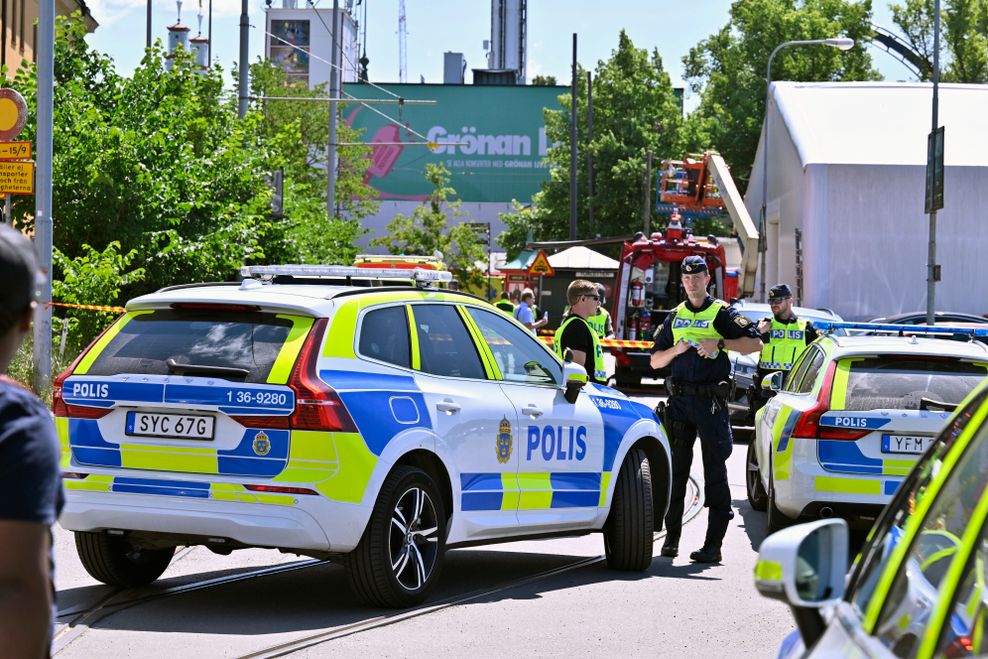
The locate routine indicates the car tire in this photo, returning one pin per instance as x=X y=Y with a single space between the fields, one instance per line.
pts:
x=115 y=561
x=776 y=519
x=399 y=557
x=628 y=533
x=757 y=496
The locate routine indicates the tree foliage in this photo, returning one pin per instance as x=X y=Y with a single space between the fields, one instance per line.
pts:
x=963 y=37
x=634 y=112
x=428 y=231
x=728 y=68
x=157 y=179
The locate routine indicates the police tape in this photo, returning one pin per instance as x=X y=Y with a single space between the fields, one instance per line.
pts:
x=610 y=343
x=90 y=307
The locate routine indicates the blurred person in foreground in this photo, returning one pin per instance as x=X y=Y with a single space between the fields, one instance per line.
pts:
x=30 y=484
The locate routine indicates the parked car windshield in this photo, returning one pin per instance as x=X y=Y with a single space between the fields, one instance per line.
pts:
x=236 y=340
x=895 y=382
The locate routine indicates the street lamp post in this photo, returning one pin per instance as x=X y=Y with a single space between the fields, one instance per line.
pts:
x=843 y=44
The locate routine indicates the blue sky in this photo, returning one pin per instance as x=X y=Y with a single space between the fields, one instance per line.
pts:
x=436 y=26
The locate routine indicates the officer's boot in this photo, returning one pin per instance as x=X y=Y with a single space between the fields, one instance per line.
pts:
x=716 y=530
x=670 y=548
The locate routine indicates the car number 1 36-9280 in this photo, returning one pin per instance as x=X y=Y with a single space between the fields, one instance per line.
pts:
x=178 y=426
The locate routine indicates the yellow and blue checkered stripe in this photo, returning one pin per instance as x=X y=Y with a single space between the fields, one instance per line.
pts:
x=177 y=488
x=531 y=491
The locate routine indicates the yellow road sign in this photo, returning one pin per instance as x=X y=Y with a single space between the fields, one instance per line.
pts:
x=16 y=177
x=540 y=266
x=15 y=150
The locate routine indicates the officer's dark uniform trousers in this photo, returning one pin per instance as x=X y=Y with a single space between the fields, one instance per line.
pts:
x=686 y=416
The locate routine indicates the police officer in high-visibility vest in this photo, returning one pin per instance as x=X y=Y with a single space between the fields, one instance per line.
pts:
x=577 y=335
x=694 y=340
x=505 y=305
x=600 y=322
x=784 y=337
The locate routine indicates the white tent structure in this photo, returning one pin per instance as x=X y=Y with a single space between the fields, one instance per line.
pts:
x=846 y=186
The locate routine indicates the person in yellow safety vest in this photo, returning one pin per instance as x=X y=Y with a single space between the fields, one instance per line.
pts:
x=576 y=334
x=600 y=322
x=505 y=305
x=784 y=337
x=693 y=341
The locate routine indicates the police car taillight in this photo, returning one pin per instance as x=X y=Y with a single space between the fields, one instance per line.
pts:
x=808 y=424
x=317 y=406
x=62 y=409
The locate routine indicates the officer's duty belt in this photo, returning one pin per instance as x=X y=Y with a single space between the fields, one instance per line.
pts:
x=720 y=390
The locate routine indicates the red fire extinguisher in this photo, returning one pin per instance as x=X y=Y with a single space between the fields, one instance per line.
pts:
x=637 y=293
x=633 y=327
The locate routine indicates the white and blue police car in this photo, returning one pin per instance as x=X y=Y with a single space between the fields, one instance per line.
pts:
x=338 y=412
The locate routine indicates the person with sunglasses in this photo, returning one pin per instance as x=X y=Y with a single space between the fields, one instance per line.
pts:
x=784 y=336
x=576 y=334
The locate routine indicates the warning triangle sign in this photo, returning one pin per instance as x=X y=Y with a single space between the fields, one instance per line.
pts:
x=540 y=266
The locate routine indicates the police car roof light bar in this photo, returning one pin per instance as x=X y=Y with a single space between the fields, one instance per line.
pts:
x=903 y=329
x=419 y=275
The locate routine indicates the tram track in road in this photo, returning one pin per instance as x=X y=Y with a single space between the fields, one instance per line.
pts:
x=86 y=617
x=377 y=622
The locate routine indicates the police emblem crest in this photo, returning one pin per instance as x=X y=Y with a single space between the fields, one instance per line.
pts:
x=504 y=441
x=262 y=443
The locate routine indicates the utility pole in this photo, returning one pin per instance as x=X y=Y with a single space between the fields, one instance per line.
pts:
x=647 y=197
x=590 y=152
x=244 y=89
x=572 y=153
x=934 y=158
x=42 y=199
x=149 y=25
x=334 y=95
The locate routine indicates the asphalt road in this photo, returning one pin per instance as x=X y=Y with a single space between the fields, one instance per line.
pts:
x=540 y=598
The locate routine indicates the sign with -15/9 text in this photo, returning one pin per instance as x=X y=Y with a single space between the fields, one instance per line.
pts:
x=15 y=150
x=16 y=177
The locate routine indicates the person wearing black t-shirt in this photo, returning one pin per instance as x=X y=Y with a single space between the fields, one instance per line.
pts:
x=30 y=482
x=575 y=333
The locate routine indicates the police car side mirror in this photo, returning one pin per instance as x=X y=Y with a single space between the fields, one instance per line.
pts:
x=773 y=381
x=804 y=566
x=574 y=379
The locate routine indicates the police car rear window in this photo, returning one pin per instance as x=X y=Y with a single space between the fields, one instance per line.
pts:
x=246 y=341
x=904 y=382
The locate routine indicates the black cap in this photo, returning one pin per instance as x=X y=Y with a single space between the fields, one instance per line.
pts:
x=780 y=291
x=19 y=271
x=693 y=264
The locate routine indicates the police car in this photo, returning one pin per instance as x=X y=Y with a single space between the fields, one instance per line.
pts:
x=851 y=419
x=918 y=588
x=343 y=413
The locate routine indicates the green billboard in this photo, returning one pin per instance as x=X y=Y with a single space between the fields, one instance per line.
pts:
x=491 y=139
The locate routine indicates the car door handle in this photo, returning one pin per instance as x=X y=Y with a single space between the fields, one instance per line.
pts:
x=448 y=406
x=532 y=411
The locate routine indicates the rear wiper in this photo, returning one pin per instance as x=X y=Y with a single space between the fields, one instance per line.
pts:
x=175 y=368
x=926 y=403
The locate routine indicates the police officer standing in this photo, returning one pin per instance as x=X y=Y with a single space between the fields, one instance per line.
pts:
x=694 y=339
x=784 y=337
x=576 y=333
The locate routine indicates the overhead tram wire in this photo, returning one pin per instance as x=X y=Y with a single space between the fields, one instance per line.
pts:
x=364 y=102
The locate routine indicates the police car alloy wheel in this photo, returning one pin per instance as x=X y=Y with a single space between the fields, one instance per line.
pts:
x=115 y=561
x=400 y=555
x=753 y=480
x=628 y=533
